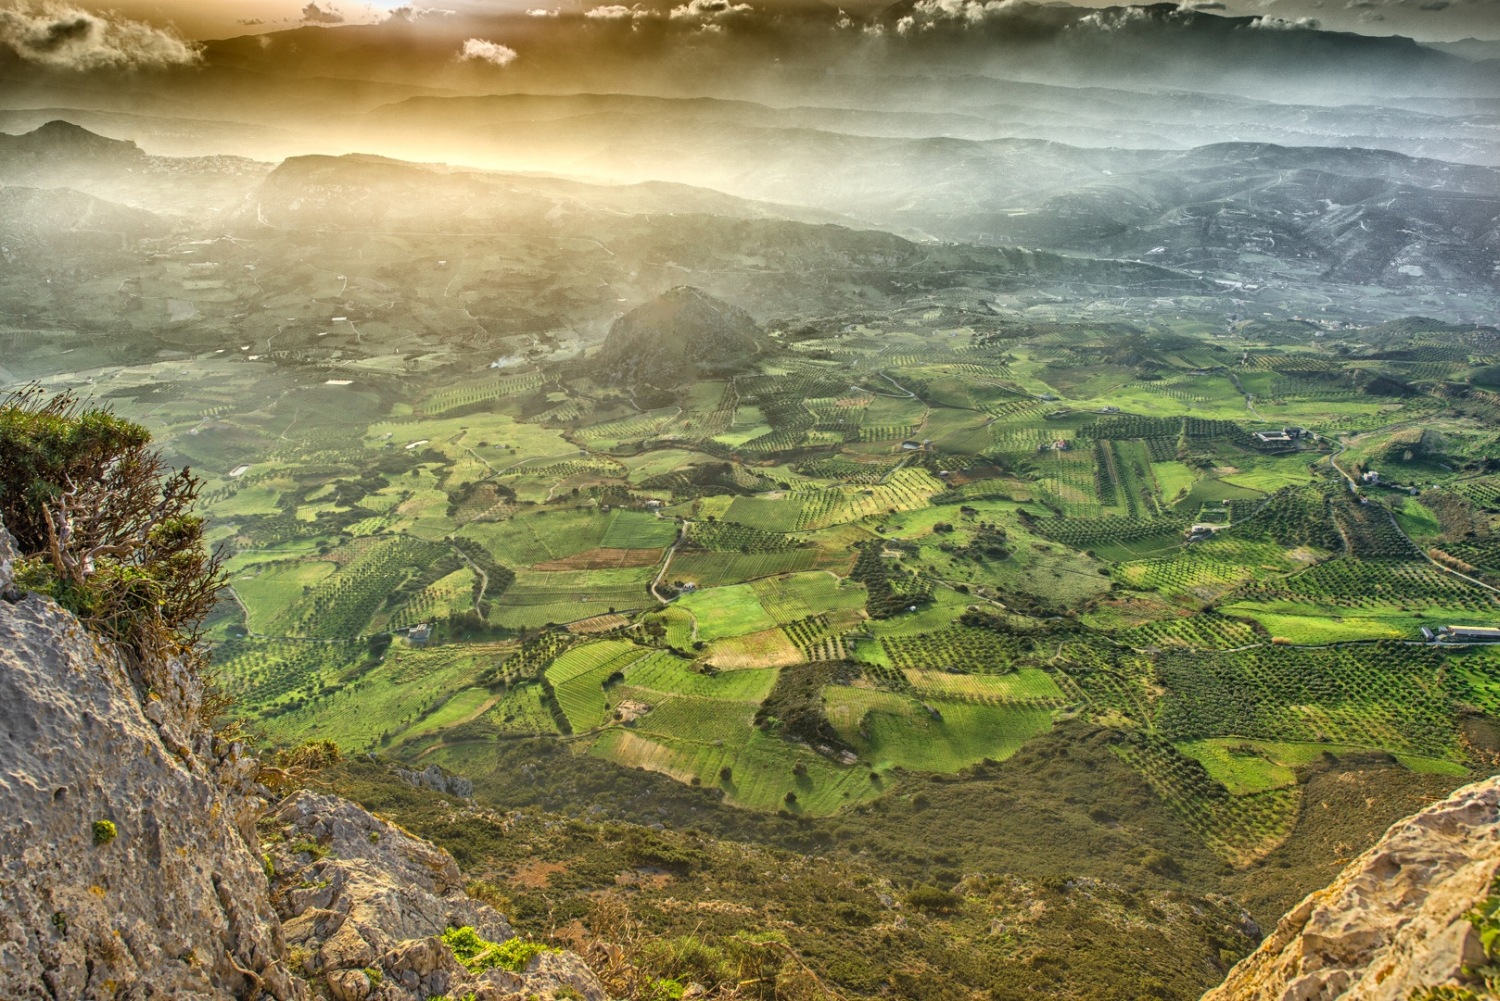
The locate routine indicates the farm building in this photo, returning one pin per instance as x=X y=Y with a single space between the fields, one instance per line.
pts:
x=1470 y=634
x=1370 y=477
x=420 y=633
x=1273 y=437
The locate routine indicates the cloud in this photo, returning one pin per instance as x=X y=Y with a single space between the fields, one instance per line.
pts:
x=709 y=10
x=313 y=14
x=411 y=12
x=1114 y=20
x=487 y=51
x=958 y=11
x=248 y=20
x=69 y=38
x=1202 y=5
x=619 y=12
x=1285 y=24
x=544 y=12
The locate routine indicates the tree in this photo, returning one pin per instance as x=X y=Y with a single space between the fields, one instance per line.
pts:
x=105 y=526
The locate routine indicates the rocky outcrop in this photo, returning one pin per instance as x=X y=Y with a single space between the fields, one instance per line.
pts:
x=434 y=778
x=122 y=872
x=365 y=905
x=683 y=333
x=138 y=860
x=1394 y=921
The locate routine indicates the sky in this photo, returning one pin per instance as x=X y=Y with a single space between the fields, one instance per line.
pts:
x=1426 y=20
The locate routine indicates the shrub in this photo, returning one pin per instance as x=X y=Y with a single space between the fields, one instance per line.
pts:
x=477 y=954
x=933 y=899
x=104 y=832
x=287 y=769
x=104 y=526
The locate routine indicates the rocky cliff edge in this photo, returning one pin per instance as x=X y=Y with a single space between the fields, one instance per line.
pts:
x=1395 y=922
x=131 y=866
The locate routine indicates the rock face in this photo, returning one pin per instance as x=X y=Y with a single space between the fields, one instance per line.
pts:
x=1394 y=921
x=131 y=862
x=679 y=335
x=434 y=778
x=358 y=894
x=170 y=899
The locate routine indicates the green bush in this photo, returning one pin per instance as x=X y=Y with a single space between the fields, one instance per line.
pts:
x=104 y=832
x=477 y=954
x=933 y=899
x=104 y=526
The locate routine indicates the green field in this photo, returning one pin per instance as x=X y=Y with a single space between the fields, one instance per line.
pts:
x=892 y=731
x=972 y=561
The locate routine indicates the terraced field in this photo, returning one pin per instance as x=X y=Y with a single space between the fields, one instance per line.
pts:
x=968 y=534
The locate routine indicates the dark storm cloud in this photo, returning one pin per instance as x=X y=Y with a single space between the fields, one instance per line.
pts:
x=66 y=37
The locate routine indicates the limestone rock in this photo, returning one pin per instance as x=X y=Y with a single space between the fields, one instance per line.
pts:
x=130 y=853
x=385 y=885
x=175 y=902
x=359 y=894
x=434 y=778
x=1393 y=921
x=8 y=557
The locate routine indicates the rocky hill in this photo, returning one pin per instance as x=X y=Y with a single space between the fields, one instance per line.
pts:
x=680 y=334
x=60 y=142
x=141 y=857
x=1398 y=923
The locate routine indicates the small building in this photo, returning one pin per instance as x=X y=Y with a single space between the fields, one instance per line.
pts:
x=1273 y=437
x=1370 y=476
x=1061 y=445
x=1428 y=634
x=653 y=504
x=911 y=446
x=1470 y=634
x=420 y=633
x=1294 y=432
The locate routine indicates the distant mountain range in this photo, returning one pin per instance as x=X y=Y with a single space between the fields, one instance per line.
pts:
x=1355 y=216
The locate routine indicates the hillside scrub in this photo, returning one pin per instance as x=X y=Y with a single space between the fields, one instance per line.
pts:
x=104 y=526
